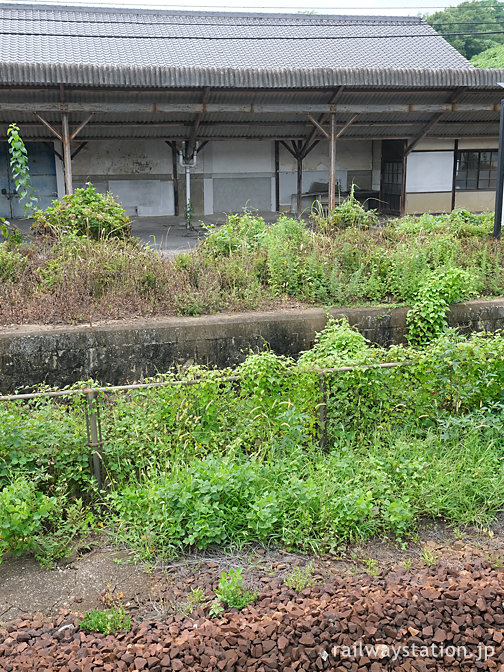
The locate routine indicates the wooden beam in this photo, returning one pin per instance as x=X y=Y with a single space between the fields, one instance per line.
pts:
x=347 y=125
x=334 y=98
x=291 y=151
x=435 y=119
x=318 y=127
x=173 y=145
x=81 y=126
x=454 y=174
x=402 y=199
x=53 y=149
x=258 y=123
x=424 y=132
x=48 y=125
x=332 y=157
x=67 y=157
x=66 y=141
x=299 y=181
x=307 y=150
x=332 y=165
x=196 y=124
x=195 y=108
x=285 y=138
x=78 y=150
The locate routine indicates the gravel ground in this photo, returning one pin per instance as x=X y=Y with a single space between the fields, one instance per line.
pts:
x=445 y=589
x=441 y=618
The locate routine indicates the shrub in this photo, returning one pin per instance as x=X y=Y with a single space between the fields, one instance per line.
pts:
x=23 y=512
x=231 y=592
x=237 y=462
x=427 y=318
x=245 y=264
x=12 y=264
x=84 y=213
x=338 y=343
x=348 y=214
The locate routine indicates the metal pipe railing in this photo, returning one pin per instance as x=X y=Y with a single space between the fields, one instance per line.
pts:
x=93 y=420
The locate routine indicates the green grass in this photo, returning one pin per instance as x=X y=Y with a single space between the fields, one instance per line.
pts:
x=312 y=502
x=222 y=463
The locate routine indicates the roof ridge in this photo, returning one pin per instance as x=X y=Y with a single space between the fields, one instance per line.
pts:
x=381 y=18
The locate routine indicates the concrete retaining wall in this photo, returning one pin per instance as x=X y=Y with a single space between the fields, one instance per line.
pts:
x=130 y=351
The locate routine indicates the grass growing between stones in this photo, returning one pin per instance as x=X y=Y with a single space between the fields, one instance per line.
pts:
x=235 y=463
x=247 y=264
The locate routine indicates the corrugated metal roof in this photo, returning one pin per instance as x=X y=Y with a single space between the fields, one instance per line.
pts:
x=114 y=47
x=74 y=74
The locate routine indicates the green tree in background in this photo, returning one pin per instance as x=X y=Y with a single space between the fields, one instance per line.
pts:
x=490 y=58
x=478 y=16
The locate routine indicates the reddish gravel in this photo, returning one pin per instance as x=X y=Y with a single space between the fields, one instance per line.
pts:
x=444 y=616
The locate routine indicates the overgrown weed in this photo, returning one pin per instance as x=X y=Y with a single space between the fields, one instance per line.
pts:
x=347 y=259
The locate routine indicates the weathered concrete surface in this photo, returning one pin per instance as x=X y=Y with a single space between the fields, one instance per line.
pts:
x=129 y=351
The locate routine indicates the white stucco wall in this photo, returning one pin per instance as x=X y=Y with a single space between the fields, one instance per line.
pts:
x=429 y=172
x=429 y=177
x=124 y=157
x=137 y=172
x=237 y=172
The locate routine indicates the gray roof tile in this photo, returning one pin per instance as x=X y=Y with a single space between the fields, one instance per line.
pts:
x=125 y=40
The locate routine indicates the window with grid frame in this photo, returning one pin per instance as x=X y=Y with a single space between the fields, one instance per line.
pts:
x=476 y=169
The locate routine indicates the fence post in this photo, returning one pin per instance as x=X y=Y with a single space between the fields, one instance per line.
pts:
x=322 y=412
x=94 y=437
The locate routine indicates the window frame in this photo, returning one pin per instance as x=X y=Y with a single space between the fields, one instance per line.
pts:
x=479 y=152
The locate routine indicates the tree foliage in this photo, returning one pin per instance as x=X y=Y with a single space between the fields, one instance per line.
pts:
x=490 y=58
x=477 y=16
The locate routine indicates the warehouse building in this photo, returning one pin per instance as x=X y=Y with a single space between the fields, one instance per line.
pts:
x=270 y=112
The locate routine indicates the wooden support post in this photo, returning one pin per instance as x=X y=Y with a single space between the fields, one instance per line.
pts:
x=334 y=98
x=67 y=156
x=454 y=174
x=299 y=203
x=298 y=154
x=277 y=176
x=194 y=131
x=176 y=207
x=402 y=202
x=332 y=165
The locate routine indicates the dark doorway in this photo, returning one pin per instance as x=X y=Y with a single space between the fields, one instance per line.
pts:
x=42 y=176
x=392 y=174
